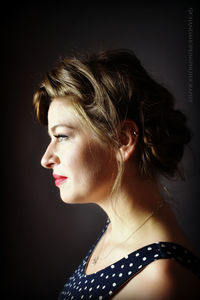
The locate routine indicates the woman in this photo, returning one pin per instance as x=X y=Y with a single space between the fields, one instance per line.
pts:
x=114 y=131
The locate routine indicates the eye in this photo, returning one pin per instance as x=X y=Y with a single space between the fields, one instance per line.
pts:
x=61 y=137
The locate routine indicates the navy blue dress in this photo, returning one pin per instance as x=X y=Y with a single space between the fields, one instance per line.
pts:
x=106 y=282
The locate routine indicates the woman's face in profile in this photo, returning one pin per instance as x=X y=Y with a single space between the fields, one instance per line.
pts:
x=83 y=167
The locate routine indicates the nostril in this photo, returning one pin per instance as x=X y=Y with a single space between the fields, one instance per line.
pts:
x=47 y=162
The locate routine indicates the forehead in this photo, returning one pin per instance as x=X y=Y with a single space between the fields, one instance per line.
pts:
x=61 y=111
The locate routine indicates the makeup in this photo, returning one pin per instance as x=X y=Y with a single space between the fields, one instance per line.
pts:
x=59 y=179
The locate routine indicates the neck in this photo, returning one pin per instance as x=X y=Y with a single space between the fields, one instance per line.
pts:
x=132 y=207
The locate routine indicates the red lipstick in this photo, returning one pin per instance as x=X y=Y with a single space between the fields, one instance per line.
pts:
x=59 y=179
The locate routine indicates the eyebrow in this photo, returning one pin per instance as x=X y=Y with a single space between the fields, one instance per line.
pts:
x=61 y=125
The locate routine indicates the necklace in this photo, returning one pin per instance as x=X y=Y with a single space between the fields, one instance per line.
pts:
x=160 y=205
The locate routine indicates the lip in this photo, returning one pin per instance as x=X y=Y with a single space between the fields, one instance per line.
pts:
x=59 y=179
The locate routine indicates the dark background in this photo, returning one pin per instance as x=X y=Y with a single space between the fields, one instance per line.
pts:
x=43 y=238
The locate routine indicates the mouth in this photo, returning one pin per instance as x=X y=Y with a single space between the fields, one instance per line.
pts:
x=59 y=179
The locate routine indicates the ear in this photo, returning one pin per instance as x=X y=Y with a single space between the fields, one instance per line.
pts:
x=128 y=134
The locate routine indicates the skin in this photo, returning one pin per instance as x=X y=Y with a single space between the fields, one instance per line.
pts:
x=77 y=155
x=80 y=156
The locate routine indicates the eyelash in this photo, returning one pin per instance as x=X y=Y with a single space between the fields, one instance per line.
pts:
x=61 y=137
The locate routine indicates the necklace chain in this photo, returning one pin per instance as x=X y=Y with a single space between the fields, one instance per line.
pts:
x=161 y=204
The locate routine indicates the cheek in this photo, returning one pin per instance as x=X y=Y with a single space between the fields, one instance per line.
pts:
x=98 y=165
x=90 y=164
x=91 y=170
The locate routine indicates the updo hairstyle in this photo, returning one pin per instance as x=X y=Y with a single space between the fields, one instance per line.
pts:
x=110 y=87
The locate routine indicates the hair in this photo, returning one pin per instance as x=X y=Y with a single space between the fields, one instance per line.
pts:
x=110 y=87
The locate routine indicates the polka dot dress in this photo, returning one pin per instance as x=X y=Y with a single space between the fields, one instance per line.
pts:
x=105 y=283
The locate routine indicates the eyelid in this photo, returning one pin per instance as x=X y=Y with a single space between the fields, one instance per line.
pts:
x=61 y=136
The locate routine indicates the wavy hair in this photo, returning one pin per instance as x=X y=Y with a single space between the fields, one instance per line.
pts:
x=110 y=87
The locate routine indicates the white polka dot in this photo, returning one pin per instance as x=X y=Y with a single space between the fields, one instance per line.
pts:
x=98 y=286
x=72 y=297
x=129 y=273
x=113 y=266
x=103 y=287
x=107 y=276
x=137 y=254
x=85 y=288
x=140 y=267
x=80 y=289
x=120 y=275
x=90 y=296
x=86 y=281
x=156 y=255
x=101 y=274
x=163 y=245
x=144 y=258
x=114 y=284
x=131 y=264
x=110 y=292
x=82 y=296
x=126 y=257
x=90 y=289
x=149 y=248
x=113 y=275
x=122 y=266
x=100 y=297
x=92 y=280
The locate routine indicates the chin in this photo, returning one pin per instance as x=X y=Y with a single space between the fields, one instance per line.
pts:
x=69 y=199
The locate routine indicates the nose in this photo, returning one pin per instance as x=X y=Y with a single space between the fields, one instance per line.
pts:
x=49 y=159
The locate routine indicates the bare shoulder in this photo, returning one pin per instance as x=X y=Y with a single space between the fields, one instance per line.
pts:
x=164 y=279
